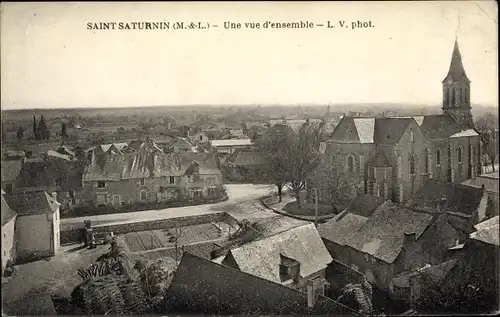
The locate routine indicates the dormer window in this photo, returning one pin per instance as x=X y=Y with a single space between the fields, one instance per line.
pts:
x=289 y=269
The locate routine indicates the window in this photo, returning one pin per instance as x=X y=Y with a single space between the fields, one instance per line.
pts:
x=101 y=184
x=116 y=199
x=144 y=195
x=171 y=180
x=412 y=165
x=466 y=95
x=461 y=96
x=350 y=163
x=459 y=150
x=453 y=96
x=8 y=188
x=142 y=181
x=447 y=96
x=196 y=168
x=412 y=136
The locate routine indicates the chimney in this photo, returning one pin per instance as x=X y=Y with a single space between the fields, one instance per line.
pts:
x=408 y=239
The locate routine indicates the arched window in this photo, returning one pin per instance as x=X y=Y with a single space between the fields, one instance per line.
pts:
x=459 y=154
x=350 y=163
x=438 y=157
x=453 y=97
x=447 y=96
x=466 y=95
x=412 y=165
x=460 y=95
x=412 y=136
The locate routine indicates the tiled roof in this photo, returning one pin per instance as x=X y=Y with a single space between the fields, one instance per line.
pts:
x=382 y=234
x=200 y=286
x=143 y=165
x=6 y=211
x=32 y=203
x=10 y=170
x=439 y=126
x=339 y=228
x=231 y=142
x=303 y=244
x=437 y=195
x=364 y=205
x=390 y=130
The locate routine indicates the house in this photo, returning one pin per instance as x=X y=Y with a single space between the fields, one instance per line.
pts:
x=199 y=138
x=394 y=239
x=151 y=176
x=200 y=286
x=291 y=257
x=8 y=227
x=229 y=146
x=37 y=225
x=246 y=165
x=490 y=182
x=53 y=174
x=392 y=157
x=10 y=172
x=467 y=283
x=181 y=145
x=464 y=205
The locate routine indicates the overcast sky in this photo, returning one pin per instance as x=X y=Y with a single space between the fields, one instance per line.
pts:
x=49 y=59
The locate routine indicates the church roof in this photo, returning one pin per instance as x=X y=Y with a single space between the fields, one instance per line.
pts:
x=457 y=71
x=390 y=130
x=439 y=126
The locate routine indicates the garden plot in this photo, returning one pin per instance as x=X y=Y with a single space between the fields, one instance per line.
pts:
x=164 y=239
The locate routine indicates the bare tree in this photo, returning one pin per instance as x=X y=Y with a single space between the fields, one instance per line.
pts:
x=488 y=127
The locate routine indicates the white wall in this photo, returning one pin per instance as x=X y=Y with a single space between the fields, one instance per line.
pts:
x=7 y=241
x=35 y=234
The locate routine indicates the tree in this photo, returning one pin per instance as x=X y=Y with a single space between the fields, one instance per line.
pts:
x=488 y=127
x=358 y=297
x=36 y=134
x=20 y=133
x=63 y=130
x=43 y=131
x=332 y=182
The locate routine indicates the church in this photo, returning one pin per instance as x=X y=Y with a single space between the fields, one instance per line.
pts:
x=392 y=157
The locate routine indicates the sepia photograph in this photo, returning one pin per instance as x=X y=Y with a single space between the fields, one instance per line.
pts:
x=330 y=158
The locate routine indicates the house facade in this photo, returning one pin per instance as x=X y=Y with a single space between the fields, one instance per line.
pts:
x=151 y=176
x=8 y=230
x=392 y=157
x=37 y=232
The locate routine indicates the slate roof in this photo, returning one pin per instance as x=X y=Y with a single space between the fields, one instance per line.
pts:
x=10 y=170
x=43 y=174
x=200 y=286
x=365 y=128
x=487 y=232
x=303 y=244
x=465 y=133
x=435 y=272
x=246 y=159
x=231 y=142
x=145 y=165
x=364 y=205
x=340 y=227
x=32 y=203
x=390 y=130
x=437 y=195
x=456 y=71
x=382 y=234
x=490 y=183
x=34 y=305
x=6 y=211
x=440 y=126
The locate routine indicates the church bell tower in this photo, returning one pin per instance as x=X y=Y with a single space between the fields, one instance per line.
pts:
x=456 y=91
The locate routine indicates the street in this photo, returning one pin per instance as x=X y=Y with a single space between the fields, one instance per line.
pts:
x=239 y=194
